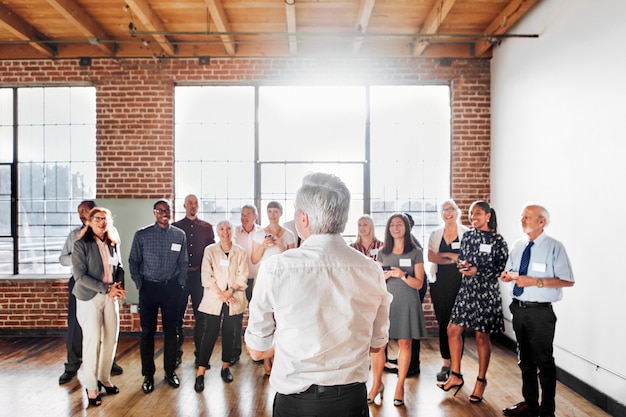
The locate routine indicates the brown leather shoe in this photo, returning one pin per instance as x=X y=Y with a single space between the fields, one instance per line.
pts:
x=522 y=409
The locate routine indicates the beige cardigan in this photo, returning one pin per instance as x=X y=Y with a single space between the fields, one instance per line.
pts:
x=228 y=272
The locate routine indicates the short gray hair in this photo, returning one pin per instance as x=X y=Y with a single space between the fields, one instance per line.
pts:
x=251 y=207
x=221 y=222
x=325 y=198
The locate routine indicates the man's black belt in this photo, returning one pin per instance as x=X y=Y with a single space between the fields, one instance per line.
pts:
x=316 y=391
x=159 y=282
x=529 y=304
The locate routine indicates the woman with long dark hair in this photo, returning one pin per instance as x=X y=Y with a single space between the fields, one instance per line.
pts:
x=403 y=264
x=478 y=305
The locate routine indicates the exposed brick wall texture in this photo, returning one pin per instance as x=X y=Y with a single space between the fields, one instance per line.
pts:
x=135 y=136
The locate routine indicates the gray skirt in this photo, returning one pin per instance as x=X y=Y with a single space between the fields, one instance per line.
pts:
x=405 y=314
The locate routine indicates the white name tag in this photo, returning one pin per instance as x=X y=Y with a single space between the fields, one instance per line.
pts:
x=537 y=266
x=176 y=247
x=113 y=260
x=374 y=252
x=456 y=245
x=404 y=262
x=224 y=262
x=485 y=248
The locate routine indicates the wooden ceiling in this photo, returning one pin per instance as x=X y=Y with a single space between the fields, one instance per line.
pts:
x=247 y=28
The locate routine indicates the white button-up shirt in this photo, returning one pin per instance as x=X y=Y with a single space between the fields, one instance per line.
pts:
x=321 y=306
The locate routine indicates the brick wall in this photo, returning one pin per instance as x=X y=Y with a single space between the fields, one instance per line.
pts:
x=135 y=129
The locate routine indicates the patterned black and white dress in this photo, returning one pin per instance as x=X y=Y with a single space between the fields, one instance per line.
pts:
x=478 y=304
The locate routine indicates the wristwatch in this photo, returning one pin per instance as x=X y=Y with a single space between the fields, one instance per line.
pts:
x=406 y=275
x=539 y=283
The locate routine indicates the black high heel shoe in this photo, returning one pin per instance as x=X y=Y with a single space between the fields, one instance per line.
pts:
x=110 y=390
x=475 y=398
x=457 y=386
x=94 y=401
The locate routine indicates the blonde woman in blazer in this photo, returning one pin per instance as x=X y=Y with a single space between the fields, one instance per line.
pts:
x=95 y=261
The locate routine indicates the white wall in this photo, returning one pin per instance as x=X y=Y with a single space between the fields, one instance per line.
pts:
x=558 y=121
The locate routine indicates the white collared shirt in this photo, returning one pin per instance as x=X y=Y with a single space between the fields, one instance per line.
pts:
x=244 y=239
x=321 y=306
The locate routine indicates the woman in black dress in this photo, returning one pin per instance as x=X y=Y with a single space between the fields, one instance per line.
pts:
x=478 y=304
x=444 y=245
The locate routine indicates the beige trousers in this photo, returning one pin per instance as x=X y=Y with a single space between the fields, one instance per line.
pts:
x=99 y=319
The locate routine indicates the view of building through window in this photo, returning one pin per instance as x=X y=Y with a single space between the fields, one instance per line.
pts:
x=390 y=144
x=55 y=141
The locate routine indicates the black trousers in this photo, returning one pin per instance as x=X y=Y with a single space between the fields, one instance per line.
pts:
x=534 y=330
x=152 y=297
x=207 y=330
x=193 y=288
x=338 y=401
x=239 y=328
x=443 y=294
x=74 y=338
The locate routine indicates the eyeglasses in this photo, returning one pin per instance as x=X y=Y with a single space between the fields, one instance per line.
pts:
x=448 y=209
x=162 y=211
x=99 y=219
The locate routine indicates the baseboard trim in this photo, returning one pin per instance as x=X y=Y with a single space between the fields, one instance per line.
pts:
x=577 y=385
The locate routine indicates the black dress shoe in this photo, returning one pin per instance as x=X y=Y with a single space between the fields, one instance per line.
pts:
x=199 y=385
x=522 y=409
x=116 y=369
x=172 y=380
x=66 y=377
x=148 y=384
x=234 y=360
x=226 y=375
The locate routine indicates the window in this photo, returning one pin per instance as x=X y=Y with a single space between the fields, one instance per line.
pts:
x=390 y=144
x=48 y=137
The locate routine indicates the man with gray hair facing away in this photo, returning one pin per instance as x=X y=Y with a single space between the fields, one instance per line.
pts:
x=319 y=310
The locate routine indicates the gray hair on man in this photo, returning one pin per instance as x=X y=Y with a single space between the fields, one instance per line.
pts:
x=325 y=198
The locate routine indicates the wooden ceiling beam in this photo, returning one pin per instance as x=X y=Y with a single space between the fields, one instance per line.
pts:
x=433 y=21
x=222 y=25
x=152 y=23
x=362 y=22
x=290 y=12
x=83 y=22
x=504 y=21
x=22 y=30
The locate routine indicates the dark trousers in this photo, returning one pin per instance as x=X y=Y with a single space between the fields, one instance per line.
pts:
x=339 y=401
x=239 y=328
x=152 y=296
x=208 y=328
x=193 y=288
x=74 y=338
x=443 y=294
x=534 y=330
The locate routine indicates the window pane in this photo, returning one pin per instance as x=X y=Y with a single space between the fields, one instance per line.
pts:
x=6 y=256
x=214 y=149
x=329 y=122
x=6 y=125
x=410 y=153
x=57 y=151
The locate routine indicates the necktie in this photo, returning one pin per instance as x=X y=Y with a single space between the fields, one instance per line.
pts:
x=523 y=268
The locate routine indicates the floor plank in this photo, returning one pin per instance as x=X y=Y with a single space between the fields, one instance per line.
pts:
x=31 y=367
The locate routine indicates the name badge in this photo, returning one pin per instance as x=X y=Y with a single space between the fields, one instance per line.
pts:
x=404 y=262
x=374 y=252
x=176 y=247
x=537 y=266
x=456 y=245
x=113 y=260
x=485 y=248
x=224 y=262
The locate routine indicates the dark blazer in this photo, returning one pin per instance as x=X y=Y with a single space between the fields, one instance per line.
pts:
x=88 y=270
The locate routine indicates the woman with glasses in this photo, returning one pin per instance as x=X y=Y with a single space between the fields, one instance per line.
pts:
x=403 y=267
x=478 y=304
x=96 y=261
x=445 y=279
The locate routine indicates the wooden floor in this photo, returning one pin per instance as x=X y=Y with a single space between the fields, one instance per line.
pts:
x=30 y=368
